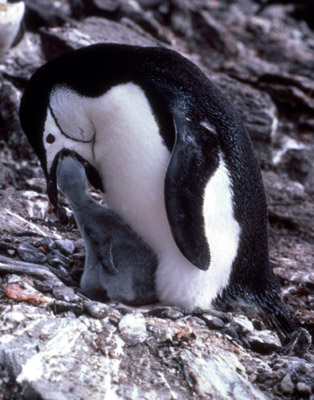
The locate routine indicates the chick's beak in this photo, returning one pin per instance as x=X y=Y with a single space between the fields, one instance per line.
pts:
x=91 y=173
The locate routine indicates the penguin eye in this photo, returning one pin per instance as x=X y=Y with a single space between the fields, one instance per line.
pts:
x=50 y=138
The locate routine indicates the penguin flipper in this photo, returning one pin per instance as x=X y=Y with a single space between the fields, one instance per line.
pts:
x=194 y=159
x=102 y=250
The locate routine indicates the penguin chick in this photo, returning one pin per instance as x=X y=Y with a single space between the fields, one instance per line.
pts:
x=119 y=265
x=11 y=15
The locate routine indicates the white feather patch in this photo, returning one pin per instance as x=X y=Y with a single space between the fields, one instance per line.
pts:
x=182 y=284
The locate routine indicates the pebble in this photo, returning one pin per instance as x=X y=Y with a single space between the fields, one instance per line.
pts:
x=63 y=275
x=172 y=313
x=56 y=258
x=132 y=328
x=66 y=246
x=30 y=254
x=42 y=286
x=286 y=385
x=265 y=342
x=15 y=316
x=63 y=306
x=299 y=343
x=304 y=389
x=230 y=330
x=47 y=243
x=96 y=309
x=224 y=316
x=243 y=325
x=213 y=322
x=65 y=293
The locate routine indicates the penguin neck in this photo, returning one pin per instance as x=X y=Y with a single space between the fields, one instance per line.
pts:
x=79 y=200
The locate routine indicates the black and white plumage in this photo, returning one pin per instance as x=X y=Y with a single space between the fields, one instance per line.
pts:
x=174 y=158
x=118 y=265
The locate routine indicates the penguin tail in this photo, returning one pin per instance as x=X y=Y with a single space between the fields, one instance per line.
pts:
x=265 y=304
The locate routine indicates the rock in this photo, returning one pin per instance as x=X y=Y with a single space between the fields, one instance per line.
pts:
x=10 y=128
x=29 y=253
x=181 y=19
x=213 y=322
x=65 y=293
x=298 y=165
x=96 y=309
x=300 y=342
x=303 y=389
x=132 y=328
x=257 y=111
x=45 y=13
x=217 y=374
x=289 y=91
x=24 y=291
x=66 y=246
x=65 y=307
x=243 y=324
x=55 y=259
x=47 y=243
x=172 y=313
x=81 y=8
x=286 y=385
x=133 y=11
x=57 y=41
x=264 y=342
x=291 y=207
x=213 y=33
x=58 y=343
x=224 y=316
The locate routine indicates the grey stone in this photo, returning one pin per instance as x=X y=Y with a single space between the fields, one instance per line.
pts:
x=57 y=41
x=66 y=246
x=264 y=342
x=30 y=254
x=213 y=33
x=172 y=313
x=68 y=309
x=96 y=309
x=243 y=324
x=300 y=342
x=257 y=110
x=45 y=13
x=286 y=385
x=47 y=243
x=132 y=328
x=65 y=293
x=304 y=389
x=55 y=259
x=213 y=322
x=217 y=374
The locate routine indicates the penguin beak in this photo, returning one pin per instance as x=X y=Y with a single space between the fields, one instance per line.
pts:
x=51 y=177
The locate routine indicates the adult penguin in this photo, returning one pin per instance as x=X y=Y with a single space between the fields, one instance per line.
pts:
x=174 y=159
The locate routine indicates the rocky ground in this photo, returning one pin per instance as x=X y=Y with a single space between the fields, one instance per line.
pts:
x=56 y=344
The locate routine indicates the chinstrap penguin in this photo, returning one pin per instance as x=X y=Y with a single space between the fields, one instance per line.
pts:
x=118 y=265
x=174 y=160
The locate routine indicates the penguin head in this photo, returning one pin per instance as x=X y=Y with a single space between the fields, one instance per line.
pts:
x=59 y=128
